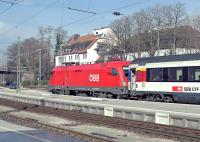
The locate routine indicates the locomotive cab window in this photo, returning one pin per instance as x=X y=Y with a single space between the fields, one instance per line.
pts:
x=126 y=71
x=114 y=72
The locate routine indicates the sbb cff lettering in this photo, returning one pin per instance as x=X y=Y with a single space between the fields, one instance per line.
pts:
x=191 y=88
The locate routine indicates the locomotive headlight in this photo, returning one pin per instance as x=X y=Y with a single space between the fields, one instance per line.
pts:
x=123 y=83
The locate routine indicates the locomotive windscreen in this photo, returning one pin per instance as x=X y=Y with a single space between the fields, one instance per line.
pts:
x=126 y=69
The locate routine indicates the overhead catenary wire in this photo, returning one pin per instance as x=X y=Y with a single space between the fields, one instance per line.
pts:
x=86 y=11
x=73 y=22
x=123 y=7
x=29 y=18
x=5 y=10
x=10 y=6
x=11 y=2
x=106 y=11
x=5 y=1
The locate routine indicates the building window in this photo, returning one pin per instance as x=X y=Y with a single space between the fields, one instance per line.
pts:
x=85 y=56
x=76 y=57
x=61 y=60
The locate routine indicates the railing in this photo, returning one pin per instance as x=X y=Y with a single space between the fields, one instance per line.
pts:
x=34 y=83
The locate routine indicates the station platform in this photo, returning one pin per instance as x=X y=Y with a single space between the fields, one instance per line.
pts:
x=10 y=132
x=182 y=115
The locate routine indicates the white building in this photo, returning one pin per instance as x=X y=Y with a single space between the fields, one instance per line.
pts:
x=83 y=49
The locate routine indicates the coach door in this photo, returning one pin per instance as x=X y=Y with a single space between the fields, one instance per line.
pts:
x=132 y=79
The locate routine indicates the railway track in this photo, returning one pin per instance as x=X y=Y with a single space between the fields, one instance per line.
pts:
x=35 y=124
x=151 y=129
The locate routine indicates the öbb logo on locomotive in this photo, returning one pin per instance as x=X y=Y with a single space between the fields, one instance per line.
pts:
x=94 y=77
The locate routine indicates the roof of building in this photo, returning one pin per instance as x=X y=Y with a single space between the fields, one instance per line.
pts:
x=86 y=40
x=82 y=39
x=170 y=58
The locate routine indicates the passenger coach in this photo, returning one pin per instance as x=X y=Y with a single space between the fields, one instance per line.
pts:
x=173 y=78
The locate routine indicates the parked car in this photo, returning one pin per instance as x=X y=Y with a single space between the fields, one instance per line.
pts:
x=13 y=85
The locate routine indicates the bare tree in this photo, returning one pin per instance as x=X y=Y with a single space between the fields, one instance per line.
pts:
x=196 y=22
x=179 y=15
x=138 y=24
x=123 y=32
x=45 y=38
x=61 y=37
x=29 y=58
x=145 y=36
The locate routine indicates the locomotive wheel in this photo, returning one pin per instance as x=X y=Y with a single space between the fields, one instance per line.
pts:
x=151 y=98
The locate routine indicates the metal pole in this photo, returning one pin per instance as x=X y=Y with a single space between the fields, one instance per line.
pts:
x=158 y=43
x=18 y=67
x=40 y=66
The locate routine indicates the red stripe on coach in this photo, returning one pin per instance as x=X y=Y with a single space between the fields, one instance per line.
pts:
x=177 y=88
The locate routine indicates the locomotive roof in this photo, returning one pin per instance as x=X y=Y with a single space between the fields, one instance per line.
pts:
x=170 y=58
x=93 y=66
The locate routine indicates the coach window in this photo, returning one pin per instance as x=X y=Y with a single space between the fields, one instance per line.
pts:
x=197 y=74
x=156 y=74
x=194 y=74
x=114 y=72
x=175 y=74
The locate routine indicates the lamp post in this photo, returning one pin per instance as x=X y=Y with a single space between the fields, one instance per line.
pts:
x=158 y=29
x=158 y=42
x=18 y=67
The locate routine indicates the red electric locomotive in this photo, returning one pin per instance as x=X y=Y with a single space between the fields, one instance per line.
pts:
x=106 y=79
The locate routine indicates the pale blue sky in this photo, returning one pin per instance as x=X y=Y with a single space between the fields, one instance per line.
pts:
x=25 y=18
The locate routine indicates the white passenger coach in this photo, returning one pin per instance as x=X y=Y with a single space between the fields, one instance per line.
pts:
x=174 y=78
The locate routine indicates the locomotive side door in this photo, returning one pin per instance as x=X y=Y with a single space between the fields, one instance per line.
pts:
x=66 y=82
